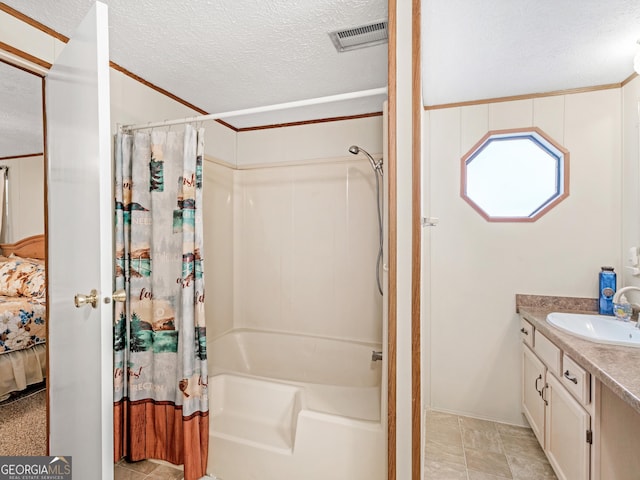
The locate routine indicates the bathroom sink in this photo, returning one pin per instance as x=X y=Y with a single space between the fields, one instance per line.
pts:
x=597 y=328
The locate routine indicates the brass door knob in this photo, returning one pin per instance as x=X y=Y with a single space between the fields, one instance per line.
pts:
x=91 y=299
x=119 y=295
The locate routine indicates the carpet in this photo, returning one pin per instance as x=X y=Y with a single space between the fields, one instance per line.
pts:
x=23 y=424
x=27 y=392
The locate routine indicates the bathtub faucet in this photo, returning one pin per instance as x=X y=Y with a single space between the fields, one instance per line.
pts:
x=375 y=356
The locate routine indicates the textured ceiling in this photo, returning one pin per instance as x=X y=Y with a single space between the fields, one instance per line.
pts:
x=226 y=55
x=223 y=55
x=20 y=112
x=481 y=50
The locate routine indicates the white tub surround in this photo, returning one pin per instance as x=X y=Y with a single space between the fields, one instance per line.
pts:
x=297 y=358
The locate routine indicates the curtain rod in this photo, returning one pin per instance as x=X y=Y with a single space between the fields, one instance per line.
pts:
x=266 y=108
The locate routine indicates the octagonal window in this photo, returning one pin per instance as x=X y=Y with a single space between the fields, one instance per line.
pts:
x=515 y=175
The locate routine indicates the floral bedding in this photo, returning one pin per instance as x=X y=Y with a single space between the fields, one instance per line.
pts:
x=22 y=304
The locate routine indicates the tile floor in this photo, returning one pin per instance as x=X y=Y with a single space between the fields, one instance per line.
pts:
x=145 y=470
x=463 y=448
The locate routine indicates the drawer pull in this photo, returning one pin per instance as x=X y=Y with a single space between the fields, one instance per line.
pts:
x=525 y=331
x=537 y=380
x=568 y=376
x=544 y=389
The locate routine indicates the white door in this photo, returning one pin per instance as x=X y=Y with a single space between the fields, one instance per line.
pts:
x=80 y=250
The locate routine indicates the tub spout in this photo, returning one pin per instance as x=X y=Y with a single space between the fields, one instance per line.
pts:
x=375 y=356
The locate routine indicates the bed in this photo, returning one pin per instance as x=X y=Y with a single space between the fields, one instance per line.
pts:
x=22 y=315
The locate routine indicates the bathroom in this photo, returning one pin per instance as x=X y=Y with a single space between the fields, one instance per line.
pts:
x=585 y=231
x=274 y=194
x=558 y=255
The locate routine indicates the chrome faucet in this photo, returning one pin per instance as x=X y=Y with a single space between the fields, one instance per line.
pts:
x=634 y=306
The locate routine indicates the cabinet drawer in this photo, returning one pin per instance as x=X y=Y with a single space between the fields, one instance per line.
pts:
x=577 y=381
x=526 y=332
x=548 y=352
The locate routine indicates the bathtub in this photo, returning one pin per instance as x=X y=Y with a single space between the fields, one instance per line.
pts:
x=288 y=406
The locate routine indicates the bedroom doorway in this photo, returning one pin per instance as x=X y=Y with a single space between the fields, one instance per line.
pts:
x=23 y=326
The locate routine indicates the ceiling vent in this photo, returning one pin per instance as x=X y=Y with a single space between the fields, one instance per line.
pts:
x=360 y=37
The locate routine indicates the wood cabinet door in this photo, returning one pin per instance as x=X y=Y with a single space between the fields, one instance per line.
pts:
x=566 y=427
x=533 y=380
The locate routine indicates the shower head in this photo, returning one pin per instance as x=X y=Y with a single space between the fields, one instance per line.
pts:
x=377 y=166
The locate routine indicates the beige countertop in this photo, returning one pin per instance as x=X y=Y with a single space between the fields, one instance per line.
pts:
x=616 y=367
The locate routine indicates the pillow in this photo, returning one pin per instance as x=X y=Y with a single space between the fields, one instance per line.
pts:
x=22 y=277
x=34 y=284
x=13 y=276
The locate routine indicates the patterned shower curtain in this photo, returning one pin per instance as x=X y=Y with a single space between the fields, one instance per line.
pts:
x=160 y=360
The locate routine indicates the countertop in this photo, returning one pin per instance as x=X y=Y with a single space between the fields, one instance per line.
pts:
x=615 y=366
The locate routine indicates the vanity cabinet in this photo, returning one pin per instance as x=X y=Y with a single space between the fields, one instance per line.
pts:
x=557 y=415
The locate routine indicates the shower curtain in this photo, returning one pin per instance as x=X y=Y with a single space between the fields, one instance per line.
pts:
x=160 y=360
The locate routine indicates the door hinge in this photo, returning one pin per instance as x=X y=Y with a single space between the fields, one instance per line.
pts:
x=589 y=437
x=429 y=221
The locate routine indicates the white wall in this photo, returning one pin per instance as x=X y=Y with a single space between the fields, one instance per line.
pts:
x=316 y=142
x=26 y=197
x=475 y=267
x=26 y=38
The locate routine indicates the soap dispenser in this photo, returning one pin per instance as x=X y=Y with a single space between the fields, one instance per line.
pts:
x=607 y=281
x=623 y=309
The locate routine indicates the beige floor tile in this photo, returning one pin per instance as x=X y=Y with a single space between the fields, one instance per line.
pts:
x=482 y=440
x=523 y=446
x=440 y=419
x=465 y=448
x=444 y=434
x=487 y=462
x=143 y=466
x=528 y=469
x=444 y=471
x=163 y=472
x=514 y=430
x=444 y=452
x=121 y=473
x=477 y=424
x=443 y=423
x=473 y=475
